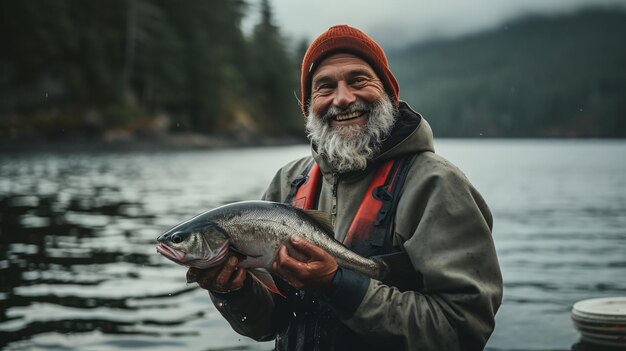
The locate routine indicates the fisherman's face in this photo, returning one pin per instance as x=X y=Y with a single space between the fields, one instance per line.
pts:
x=343 y=88
x=350 y=115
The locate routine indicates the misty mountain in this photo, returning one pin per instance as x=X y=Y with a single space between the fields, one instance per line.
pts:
x=539 y=76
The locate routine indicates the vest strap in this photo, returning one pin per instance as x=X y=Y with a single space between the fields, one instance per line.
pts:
x=377 y=195
x=306 y=188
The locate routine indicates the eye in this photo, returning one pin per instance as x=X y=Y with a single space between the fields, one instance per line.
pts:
x=358 y=82
x=177 y=238
x=324 y=88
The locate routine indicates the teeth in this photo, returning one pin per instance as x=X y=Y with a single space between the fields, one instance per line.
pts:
x=348 y=116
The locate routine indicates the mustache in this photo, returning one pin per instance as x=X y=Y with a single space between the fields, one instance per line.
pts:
x=333 y=111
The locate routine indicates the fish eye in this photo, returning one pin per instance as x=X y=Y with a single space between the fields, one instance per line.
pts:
x=177 y=238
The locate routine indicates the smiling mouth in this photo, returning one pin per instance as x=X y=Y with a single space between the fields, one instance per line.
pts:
x=348 y=116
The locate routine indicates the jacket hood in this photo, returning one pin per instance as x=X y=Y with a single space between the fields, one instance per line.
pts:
x=410 y=134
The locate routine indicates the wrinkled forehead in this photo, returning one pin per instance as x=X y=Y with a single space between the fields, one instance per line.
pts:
x=341 y=64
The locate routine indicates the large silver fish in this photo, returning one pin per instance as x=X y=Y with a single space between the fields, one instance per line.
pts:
x=256 y=230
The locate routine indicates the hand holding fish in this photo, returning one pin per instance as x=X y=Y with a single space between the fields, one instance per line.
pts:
x=221 y=279
x=313 y=269
x=256 y=237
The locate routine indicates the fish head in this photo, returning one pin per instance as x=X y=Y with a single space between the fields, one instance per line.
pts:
x=196 y=244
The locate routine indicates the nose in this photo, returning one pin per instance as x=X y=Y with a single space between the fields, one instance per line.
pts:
x=344 y=96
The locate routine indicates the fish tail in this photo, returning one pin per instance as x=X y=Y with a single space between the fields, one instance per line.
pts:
x=382 y=268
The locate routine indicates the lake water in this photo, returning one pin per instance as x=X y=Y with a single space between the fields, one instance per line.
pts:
x=79 y=271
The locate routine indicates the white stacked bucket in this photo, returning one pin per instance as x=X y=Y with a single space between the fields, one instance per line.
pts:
x=601 y=321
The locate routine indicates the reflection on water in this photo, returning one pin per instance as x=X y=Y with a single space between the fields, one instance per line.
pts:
x=78 y=268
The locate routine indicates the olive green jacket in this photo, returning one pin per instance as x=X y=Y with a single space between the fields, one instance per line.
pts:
x=444 y=226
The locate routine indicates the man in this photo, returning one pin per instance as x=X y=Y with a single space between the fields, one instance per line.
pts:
x=387 y=194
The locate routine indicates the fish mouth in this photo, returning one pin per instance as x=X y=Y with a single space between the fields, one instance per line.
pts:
x=208 y=260
x=172 y=254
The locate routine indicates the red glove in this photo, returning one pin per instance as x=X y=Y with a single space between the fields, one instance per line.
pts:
x=221 y=279
x=314 y=269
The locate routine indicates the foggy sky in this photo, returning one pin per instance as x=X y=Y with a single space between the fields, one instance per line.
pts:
x=396 y=23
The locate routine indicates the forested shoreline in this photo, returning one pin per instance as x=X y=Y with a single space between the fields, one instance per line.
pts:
x=124 y=70
x=89 y=69
x=538 y=76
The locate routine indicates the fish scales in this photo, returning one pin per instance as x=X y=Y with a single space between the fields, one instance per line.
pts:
x=274 y=223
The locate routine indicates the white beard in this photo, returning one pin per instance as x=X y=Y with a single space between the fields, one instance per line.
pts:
x=349 y=148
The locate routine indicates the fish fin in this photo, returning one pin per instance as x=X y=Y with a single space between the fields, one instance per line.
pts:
x=265 y=279
x=321 y=217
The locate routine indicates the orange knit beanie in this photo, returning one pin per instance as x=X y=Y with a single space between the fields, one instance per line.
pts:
x=346 y=39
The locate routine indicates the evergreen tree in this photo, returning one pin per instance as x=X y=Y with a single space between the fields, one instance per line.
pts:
x=211 y=39
x=272 y=76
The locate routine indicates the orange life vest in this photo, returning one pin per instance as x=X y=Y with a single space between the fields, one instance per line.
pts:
x=374 y=212
x=369 y=234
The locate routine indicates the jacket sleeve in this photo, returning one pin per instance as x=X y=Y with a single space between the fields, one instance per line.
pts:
x=445 y=228
x=249 y=310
